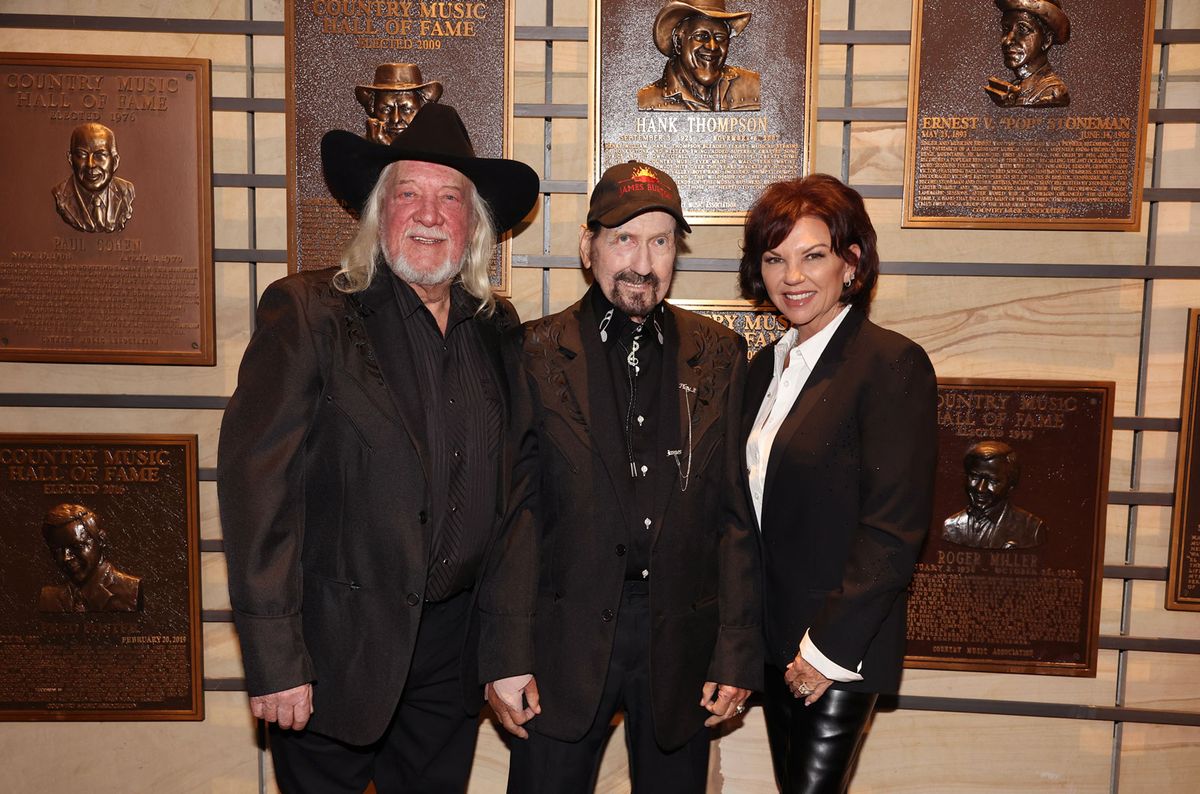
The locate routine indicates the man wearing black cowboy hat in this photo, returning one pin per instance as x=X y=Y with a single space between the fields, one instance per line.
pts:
x=361 y=469
x=629 y=574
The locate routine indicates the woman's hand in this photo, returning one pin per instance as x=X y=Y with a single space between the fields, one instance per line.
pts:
x=805 y=681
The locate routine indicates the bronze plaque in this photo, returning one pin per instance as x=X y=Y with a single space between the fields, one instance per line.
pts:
x=368 y=67
x=100 y=606
x=722 y=101
x=1025 y=115
x=758 y=324
x=1183 y=569
x=107 y=221
x=1009 y=578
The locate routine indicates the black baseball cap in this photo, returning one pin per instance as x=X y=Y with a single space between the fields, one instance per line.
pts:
x=629 y=189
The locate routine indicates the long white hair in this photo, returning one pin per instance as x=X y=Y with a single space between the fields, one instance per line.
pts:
x=361 y=258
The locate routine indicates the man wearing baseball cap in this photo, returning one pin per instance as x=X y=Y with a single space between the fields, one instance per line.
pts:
x=627 y=576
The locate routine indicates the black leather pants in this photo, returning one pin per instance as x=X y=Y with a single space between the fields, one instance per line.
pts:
x=813 y=748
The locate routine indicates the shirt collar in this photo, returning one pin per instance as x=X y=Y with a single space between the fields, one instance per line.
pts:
x=410 y=302
x=618 y=324
x=810 y=350
x=675 y=85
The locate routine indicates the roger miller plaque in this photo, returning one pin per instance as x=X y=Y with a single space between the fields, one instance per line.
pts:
x=369 y=67
x=1183 y=568
x=106 y=221
x=717 y=93
x=1027 y=114
x=99 y=579
x=1009 y=578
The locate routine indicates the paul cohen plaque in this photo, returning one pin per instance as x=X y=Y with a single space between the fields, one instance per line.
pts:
x=106 y=224
x=1009 y=578
x=99 y=580
x=1027 y=115
x=758 y=324
x=368 y=67
x=1183 y=568
x=717 y=93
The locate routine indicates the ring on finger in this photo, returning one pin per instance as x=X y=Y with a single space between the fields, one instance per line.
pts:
x=741 y=708
x=804 y=689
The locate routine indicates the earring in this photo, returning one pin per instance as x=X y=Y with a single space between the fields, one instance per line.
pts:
x=849 y=280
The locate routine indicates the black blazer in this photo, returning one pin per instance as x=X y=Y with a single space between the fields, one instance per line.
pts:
x=324 y=501
x=549 y=605
x=847 y=499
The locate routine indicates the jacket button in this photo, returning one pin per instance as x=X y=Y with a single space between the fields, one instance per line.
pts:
x=620 y=549
x=413 y=599
x=606 y=615
x=423 y=517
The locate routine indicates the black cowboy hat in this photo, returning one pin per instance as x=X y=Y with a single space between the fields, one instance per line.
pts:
x=435 y=135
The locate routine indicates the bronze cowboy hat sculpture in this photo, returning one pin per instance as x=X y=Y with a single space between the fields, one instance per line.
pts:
x=673 y=12
x=1049 y=11
x=436 y=135
x=397 y=77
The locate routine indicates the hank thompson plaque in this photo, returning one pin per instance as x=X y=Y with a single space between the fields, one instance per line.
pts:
x=99 y=583
x=717 y=93
x=1183 y=570
x=368 y=67
x=1027 y=114
x=1009 y=578
x=106 y=221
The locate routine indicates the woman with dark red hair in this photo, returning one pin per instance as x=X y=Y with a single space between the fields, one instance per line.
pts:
x=839 y=431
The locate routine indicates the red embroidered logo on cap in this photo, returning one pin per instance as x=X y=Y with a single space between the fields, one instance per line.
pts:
x=644 y=178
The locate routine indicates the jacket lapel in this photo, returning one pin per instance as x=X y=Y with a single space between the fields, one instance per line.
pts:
x=815 y=388
x=758 y=380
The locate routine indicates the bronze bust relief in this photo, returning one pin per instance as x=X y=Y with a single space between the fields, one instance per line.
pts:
x=394 y=97
x=1030 y=28
x=94 y=198
x=80 y=549
x=991 y=520
x=695 y=38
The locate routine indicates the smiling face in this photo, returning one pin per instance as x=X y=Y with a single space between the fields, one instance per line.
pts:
x=425 y=222
x=702 y=43
x=633 y=263
x=804 y=277
x=74 y=550
x=1023 y=40
x=93 y=156
x=988 y=484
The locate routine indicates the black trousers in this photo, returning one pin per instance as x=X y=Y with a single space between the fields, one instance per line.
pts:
x=813 y=748
x=426 y=749
x=542 y=765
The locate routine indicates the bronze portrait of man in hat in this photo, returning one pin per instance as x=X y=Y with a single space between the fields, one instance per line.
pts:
x=1030 y=28
x=695 y=38
x=393 y=98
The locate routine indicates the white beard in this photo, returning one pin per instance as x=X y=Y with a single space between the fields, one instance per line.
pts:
x=439 y=275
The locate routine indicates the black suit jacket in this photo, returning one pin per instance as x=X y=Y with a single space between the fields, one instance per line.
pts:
x=549 y=606
x=324 y=499
x=847 y=499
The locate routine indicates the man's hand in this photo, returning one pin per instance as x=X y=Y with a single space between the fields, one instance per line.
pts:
x=728 y=701
x=805 y=681
x=504 y=696
x=291 y=708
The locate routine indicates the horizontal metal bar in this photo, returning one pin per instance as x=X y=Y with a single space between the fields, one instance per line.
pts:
x=1164 y=424
x=250 y=255
x=1163 y=499
x=551 y=33
x=1174 y=115
x=246 y=27
x=555 y=110
x=865 y=36
x=1142 y=573
x=1171 y=194
x=836 y=113
x=233 y=104
x=224 y=684
x=564 y=186
x=1149 y=644
x=249 y=180
x=185 y=402
x=212 y=545
x=207 y=474
x=545 y=261
x=1020 y=708
x=216 y=615
x=1177 y=36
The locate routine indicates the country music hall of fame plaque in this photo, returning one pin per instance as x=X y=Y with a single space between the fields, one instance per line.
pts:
x=759 y=324
x=99 y=578
x=1183 y=569
x=106 y=218
x=368 y=67
x=717 y=93
x=1009 y=577
x=1027 y=114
